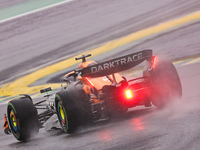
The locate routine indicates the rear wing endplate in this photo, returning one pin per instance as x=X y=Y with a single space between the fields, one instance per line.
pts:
x=117 y=65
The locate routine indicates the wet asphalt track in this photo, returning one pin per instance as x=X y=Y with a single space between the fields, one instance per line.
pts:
x=78 y=26
x=86 y=26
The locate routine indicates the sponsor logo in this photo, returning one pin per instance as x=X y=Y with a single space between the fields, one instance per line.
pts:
x=106 y=78
x=117 y=62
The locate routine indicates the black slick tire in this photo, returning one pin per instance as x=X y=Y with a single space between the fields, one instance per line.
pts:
x=23 y=119
x=165 y=84
x=73 y=108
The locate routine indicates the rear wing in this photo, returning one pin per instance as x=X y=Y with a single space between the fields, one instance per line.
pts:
x=117 y=65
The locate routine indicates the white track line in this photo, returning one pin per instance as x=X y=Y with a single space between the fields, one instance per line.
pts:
x=34 y=11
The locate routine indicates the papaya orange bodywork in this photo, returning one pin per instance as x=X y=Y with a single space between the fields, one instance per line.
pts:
x=97 y=83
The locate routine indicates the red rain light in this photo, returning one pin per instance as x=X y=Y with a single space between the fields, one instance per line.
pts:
x=128 y=94
x=154 y=62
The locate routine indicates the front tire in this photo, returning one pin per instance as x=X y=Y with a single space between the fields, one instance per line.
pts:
x=23 y=119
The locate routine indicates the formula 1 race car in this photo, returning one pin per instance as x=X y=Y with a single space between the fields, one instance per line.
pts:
x=97 y=92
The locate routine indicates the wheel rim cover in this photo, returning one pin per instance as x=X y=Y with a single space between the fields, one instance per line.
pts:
x=61 y=113
x=13 y=121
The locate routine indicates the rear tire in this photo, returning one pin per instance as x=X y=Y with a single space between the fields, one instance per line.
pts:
x=165 y=84
x=23 y=119
x=73 y=108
